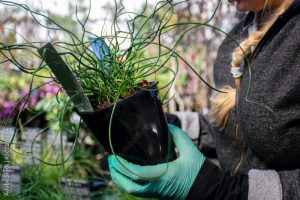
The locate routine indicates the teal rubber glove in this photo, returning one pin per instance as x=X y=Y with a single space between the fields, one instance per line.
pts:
x=171 y=180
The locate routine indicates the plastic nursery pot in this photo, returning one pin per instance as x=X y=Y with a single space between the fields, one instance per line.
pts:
x=139 y=131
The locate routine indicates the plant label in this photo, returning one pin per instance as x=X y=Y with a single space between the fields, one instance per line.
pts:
x=76 y=188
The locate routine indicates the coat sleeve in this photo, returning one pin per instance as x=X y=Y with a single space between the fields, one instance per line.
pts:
x=269 y=184
x=214 y=184
x=290 y=181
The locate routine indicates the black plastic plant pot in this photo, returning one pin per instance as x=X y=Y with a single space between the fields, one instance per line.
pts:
x=139 y=131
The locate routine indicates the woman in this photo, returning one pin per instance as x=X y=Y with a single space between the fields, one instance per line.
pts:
x=258 y=137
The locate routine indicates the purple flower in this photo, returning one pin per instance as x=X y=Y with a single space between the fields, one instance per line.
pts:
x=42 y=94
x=6 y=106
x=33 y=101
x=9 y=104
x=51 y=89
x=7 y=110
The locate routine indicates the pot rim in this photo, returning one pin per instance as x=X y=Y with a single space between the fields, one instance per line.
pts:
x=119 y=102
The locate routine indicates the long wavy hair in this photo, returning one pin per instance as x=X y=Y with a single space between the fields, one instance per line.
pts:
x=223 y=103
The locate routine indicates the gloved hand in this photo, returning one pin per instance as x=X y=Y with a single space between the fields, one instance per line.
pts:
x=171 y=180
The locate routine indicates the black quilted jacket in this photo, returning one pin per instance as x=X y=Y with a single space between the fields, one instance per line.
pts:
x=269 y=143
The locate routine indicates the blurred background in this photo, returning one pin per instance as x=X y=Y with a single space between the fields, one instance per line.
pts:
x=32 y=179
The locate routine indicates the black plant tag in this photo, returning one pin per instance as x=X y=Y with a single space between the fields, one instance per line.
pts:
x=65 y=77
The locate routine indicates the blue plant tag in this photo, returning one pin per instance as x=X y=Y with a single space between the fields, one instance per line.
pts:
x=100 y=48
x=102 y=52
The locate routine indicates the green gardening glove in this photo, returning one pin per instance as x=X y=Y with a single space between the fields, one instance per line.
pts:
x=171 y=180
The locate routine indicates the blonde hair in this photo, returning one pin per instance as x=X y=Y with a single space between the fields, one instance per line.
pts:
x=222 y=103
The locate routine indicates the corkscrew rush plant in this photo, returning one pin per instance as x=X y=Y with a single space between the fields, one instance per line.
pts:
x=110 y=66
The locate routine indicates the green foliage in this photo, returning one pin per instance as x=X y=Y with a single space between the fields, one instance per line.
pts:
x=83 y=163
x=114 y=193
x=12 y=86
x=40 y=182
x=3 y=196
x=2 y=158
x=53 y=106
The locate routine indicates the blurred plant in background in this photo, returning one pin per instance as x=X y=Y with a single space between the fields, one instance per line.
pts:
x=13 y=88
x=14 y=92
x=199 y=48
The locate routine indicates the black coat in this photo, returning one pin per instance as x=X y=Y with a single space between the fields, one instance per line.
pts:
x=268 y=114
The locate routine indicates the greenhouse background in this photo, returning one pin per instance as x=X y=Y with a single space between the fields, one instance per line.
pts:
x=48 y=162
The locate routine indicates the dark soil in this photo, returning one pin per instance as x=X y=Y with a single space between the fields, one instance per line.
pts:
x=144 y=84
x=104 y=105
